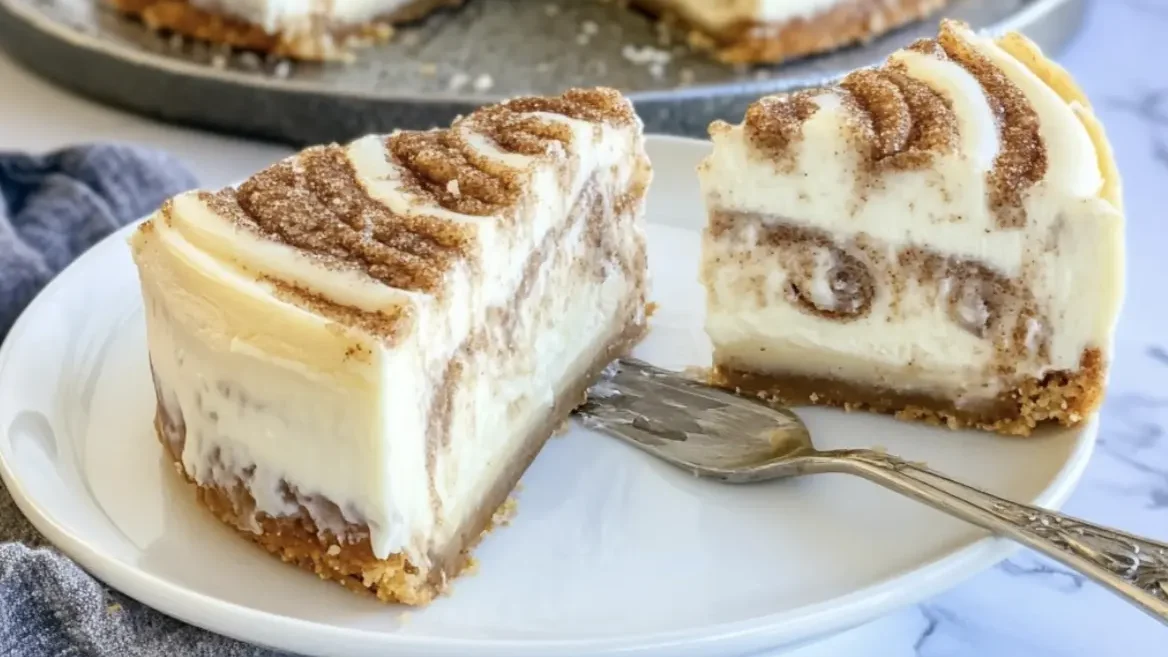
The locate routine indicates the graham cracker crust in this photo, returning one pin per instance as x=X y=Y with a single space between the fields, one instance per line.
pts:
x=770 y=43
x=1062 y=398
x=349 y=559
x=314 y=41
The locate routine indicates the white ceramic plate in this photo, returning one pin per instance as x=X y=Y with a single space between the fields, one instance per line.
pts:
x=610 y=551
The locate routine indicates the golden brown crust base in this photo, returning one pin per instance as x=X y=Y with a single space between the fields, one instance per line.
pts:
x=1064 y=398
x=316 y=42
x=770 y=43
x=349 y=560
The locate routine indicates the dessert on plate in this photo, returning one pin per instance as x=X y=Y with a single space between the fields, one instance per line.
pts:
x=940 y=237
x=757 y=31
x=358 y=351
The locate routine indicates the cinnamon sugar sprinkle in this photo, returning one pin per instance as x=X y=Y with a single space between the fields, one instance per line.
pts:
x=901 y=123
x=315 y=202
x=1022 y=159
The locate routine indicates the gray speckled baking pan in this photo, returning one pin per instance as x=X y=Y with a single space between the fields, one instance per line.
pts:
x=444 y=66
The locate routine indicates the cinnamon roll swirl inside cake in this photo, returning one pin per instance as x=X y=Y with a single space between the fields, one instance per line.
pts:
x=940 y=237
x=359 y=350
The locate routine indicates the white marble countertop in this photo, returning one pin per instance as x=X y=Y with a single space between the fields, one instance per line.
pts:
x=1026 y=606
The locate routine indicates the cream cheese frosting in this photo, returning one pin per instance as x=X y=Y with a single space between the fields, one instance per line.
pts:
x=972 y=188
x=309 y=328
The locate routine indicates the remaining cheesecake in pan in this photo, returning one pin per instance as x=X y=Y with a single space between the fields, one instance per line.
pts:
x=311 y=30
x=359 y=350
x=770 y=31
x=940 y=237
x=759 y=31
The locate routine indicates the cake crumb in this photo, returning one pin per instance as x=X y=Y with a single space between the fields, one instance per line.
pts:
x=114 y=608
x=452 y=187
x=471 y=567
x=334 y=550
x=458 y=81
x=505 y=513
x=483 y=82
x=428 y=69
x=699 y=41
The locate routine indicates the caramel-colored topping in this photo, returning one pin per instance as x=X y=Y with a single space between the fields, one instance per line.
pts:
x=1021 y=160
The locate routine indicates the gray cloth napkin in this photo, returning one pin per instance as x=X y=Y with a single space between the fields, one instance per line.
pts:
x=53 y=208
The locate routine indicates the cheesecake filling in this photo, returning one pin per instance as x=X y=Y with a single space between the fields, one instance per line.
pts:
x=373 y=340
x=943 y=226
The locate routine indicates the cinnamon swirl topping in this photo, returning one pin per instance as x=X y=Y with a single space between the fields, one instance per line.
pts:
x=900 y=122
x=318 y=201
x=1021 y=161
x=906 y=122
x=775 y=123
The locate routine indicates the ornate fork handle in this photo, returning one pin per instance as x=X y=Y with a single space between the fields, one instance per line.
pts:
x=1132 y=566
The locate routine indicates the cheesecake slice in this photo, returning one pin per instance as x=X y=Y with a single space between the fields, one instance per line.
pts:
x=940 y=237
x=741 y=31
x=771 y=31
x=358 y=351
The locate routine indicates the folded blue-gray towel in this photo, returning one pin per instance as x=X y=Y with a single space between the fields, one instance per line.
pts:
x=52 y=208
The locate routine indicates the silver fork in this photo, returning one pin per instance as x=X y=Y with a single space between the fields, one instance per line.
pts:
x=736 y=439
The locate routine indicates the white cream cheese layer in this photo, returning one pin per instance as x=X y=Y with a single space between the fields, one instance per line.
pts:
x=1069 y=253
x=319 y=413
